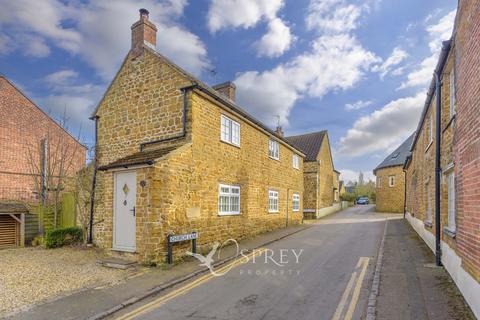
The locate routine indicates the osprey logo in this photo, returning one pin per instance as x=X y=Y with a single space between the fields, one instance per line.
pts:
x=208 y=261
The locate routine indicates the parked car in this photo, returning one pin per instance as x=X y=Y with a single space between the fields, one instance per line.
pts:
x=362 y=200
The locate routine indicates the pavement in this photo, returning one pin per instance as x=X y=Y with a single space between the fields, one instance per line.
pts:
x=324 y=269
x=411 y=286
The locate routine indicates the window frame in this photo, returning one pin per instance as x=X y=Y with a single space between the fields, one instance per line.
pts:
x=379 y=182
x=451 y=191
x=230 y=195
x=430 y=130
x=296 y=161
x=391 y=181
x=453 y=99
x=232 y=123
x=273 y=149
x=273 y=195
x=296 y=200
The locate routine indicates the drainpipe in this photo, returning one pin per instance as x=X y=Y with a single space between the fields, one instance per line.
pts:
x=94 y=182
x=438 y=170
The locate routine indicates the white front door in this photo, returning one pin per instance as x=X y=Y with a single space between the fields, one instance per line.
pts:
x=124 y=214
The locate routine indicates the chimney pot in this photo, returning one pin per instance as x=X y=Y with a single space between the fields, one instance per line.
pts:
x=279 y=131
x=144 y=32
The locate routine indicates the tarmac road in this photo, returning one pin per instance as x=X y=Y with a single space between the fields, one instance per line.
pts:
x=323 y=272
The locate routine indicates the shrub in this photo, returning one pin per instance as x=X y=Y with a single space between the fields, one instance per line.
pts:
x=60 y=237
x=350 y=197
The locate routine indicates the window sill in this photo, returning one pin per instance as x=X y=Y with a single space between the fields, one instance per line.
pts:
x=429 y=145
x=295 y=210
x=230 y=144
x=228 y=214
x=427 y=223
x=450 y=232
x=274 y=212
x=277 y=159
x=450 y=121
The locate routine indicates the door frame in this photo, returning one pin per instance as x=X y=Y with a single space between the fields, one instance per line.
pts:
x=114 y=247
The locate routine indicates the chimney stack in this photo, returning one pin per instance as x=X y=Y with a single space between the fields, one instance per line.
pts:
x=144 y=32
x=279 y=131
x=227 y=89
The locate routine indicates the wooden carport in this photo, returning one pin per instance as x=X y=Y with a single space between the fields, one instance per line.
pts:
x=12 y=224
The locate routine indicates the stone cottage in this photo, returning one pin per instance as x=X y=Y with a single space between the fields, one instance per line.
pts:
x=176 y=156
x=319 y=174
x=390 y=179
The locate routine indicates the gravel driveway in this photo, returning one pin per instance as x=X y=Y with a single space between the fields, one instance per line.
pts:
x=30 y=275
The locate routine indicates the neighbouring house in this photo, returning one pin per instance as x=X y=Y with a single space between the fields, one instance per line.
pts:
x=336 y=185
x=29 y=141
x=319 y=174
x=390 y=179
x=350 y=187
x=459 y=171
x=176 y=156
x=341 y=187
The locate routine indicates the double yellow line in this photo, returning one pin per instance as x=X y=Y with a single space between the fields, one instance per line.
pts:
x=182 y=290
x=363 y=264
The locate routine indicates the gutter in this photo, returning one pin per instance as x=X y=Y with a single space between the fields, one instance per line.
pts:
x=446 y=45
x=184 y=124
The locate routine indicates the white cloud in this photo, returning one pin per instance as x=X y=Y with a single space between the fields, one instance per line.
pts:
x=99 y=31
x=332 y=15
x=276 y=41
x=438 y=32
x=357 y=105
x=231 y=14
x=334 y=62
x=384 y=128
x=351 y=175
x=397 y=56
x=224 y=14
x=61 y=77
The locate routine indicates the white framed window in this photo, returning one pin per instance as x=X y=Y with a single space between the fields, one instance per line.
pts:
x=296 y=161
x=229 y=131
x=452 y=92
x=430 y=130
x=379 y=182
x=272 y=201
x=429 y=203
x=273 y=149
x=451 y=201
x=296 y=202
x=391 y=181
x=228 y=199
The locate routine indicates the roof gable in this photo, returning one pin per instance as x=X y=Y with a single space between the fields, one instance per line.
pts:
x=309 y=143
x=398 y=156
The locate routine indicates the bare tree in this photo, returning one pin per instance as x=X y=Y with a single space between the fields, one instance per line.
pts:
x=52 y=166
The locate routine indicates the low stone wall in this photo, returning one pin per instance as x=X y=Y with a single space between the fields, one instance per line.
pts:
x=326 y=211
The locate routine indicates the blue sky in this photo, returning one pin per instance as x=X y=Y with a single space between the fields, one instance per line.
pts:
x=358 y=68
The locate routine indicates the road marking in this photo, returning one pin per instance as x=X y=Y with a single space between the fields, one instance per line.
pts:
x=356 y=291
x=182 y=290
x=362 y=262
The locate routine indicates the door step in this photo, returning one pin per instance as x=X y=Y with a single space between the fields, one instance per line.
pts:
x=117 y=263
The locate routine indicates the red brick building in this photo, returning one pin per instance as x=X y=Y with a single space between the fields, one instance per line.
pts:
x=459 y=186
x=467 y=144
x=26 y=134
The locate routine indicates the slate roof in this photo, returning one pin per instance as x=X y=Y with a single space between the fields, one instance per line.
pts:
x=12 y=207
x=139 y=158
x=397 y=157
x=197 y=84
x=309 y=143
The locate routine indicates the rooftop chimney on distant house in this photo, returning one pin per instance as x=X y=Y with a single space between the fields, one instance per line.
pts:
x=279 y=131
x=144 y=32
x=227 y=89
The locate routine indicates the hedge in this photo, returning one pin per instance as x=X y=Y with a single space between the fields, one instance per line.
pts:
x=60 y=237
